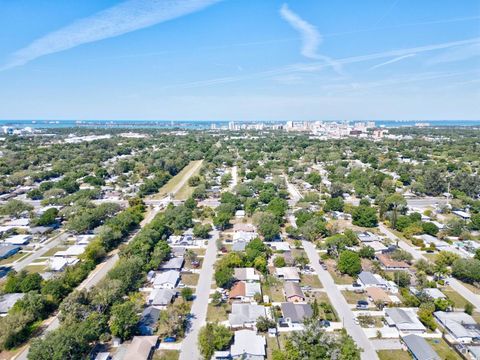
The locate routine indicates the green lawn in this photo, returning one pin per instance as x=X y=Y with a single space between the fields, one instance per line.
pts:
x=443 y=350
x=274 y=292
x=353 y=297
x=53 y=250
x=217 y=314
x=394 y=355
x=173 y=182
x=458 y=299
x=36 y=268
x=275 y=343
x=190 y=279
x=166 y=355
x=311 y=280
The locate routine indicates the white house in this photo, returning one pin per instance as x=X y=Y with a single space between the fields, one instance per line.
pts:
x=166 y=280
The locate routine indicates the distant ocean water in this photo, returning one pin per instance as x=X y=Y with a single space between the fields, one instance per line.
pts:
x=199 y=124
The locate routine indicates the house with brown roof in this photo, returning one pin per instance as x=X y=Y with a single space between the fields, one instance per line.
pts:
x=241 y=227
x=244 y=291
x=378 y=296
x=141 y=348
x=387 y=263
x=293 y=292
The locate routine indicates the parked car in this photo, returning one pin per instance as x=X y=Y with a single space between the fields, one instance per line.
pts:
x=170 y=339
x=324 y=323
x=362 y=304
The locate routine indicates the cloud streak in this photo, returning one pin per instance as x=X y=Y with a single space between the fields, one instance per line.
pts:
x=311 y=38
x=317 y=66
x=128 y=16
x=394 y=60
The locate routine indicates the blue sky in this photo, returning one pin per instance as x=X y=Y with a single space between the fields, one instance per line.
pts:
x=240 y=59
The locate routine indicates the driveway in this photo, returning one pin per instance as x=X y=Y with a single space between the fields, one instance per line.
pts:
x=189 y=349
x=341 y=306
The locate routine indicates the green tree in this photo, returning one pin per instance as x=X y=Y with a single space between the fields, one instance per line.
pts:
x=364 y=216
x=187 y=293
x=123 y=319
x=213 y=337
x=349 y=263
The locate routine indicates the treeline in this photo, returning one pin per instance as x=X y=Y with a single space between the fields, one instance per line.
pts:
x=42 y=297
x=112 y=307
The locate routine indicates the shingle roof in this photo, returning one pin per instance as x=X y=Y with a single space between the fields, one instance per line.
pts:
x=247 y=342
x=293 y=289
x=245 y=313
x=140 y=347
x=367 y=278
x=296 y=312
x=420 y=348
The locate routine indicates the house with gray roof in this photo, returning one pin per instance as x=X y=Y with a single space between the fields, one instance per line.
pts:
x=459 y=325
x=161 y=297
x=419 y=348
x=247 y=345
x=293 y=292
x=295 y=314
x=245 y=315
x=7 y=301
x=405 y=320
x=246 y=274
x=148 y=321
x=175 y=263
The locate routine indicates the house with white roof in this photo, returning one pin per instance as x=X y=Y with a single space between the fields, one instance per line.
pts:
x=160 y=298
x=18 y=239
x=288 y=273
x=248 y=345
x=459 y=325
x=405 y=320
x=72 y=251
x=166 y=280
x=246 y=274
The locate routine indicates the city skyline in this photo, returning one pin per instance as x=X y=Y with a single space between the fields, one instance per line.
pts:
x=233 y=60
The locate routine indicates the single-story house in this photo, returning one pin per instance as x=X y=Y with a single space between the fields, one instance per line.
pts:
x=244 y=236
x=419 y=348
x=103 y=356
x=40 y=230
x=240 y=214
x=19 y=223
x=174 y=263
x=295 y=314
x=405 y=320
x=148 y=321
x=166 y=280
x=74 y=250
x=161 y=297
x=59 y=263
x=178 y=251
x=244 y=291
x=377 y=246
x=434 y=293
x=288 y=273
x=8 y=250
x=18 y=240
x=388 y=263
x=246 y=274
x=279 y=245
x=368 y=279
x=293 y=292
x=367 y=236
x=245 y=315
x=84 y=239
x=461 y=214
x=7 y=301
x=378 y=295
x=243 y=227
x=461 y=326
x=248 y=345
x=474 y=352
x=239 y=246
x=141 y=348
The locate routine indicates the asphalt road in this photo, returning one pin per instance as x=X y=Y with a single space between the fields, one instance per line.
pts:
x=455 y=284
x=189 y=349
x=340 y=304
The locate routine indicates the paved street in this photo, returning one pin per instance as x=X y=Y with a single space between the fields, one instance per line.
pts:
x=455 y=284
x=341 y=306
x=189 y=349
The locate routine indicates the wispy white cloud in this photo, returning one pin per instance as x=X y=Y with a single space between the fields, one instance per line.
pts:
x=128 y=16
x=317 y=66
x=456 y=54
x=394 y=60
x=311 y=38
